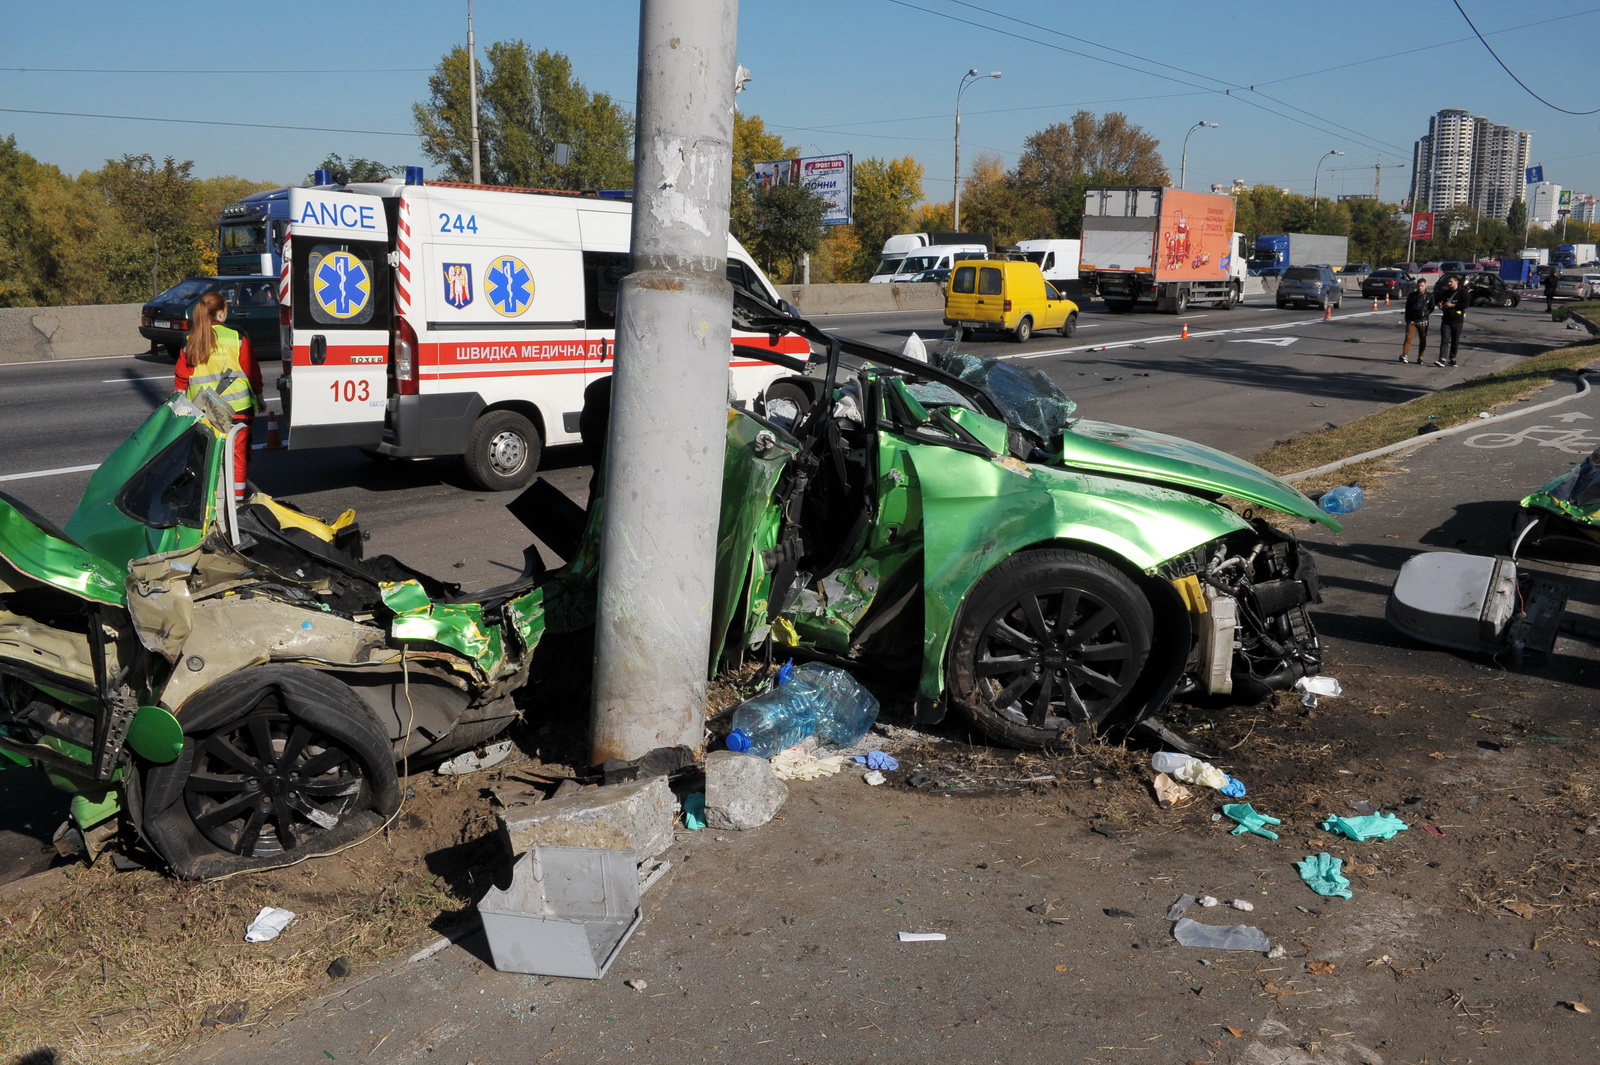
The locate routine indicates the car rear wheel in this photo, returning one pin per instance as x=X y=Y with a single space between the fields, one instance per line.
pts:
x=1070 y=326
x=503 y=451
x=1023 y=331
x=279 y=763
x=1049 y=643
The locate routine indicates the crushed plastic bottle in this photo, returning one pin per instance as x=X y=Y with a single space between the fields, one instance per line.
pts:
x=1191 y=770
x=820 y=700
x=1343 y=499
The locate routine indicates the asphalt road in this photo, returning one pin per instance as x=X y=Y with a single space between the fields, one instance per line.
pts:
x=1242 y=380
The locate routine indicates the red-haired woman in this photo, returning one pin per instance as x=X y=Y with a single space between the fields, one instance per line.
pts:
x=218 y=359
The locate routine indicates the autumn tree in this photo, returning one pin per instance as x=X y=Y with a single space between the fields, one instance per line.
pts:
x=528 y=103
x=752 y=144
x=1061 y=161
x=885 y=193
x=993 y=202
x=158 y=202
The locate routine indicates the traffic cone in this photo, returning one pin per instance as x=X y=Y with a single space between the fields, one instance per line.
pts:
x=1185 y=334
x=1374 y=303
x=274 y=439
x=1327 y=313
x=1386 y=299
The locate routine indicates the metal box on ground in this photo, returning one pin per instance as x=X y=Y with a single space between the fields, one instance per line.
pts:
x=1475 y=603
x=567 y=912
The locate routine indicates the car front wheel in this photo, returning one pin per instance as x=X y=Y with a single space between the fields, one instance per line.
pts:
x=1050 y=643
x=503 y=451
x=279 y=763
x=1070 y=326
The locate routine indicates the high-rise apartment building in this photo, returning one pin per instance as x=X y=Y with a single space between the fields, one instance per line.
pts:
x=1466 y=159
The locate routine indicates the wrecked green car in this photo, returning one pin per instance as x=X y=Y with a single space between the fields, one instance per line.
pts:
x=1566 y=509
x=235 y=681
x=1045 y=575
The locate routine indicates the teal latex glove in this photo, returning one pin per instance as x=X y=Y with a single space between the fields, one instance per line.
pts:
x=1321 y=874
x=1249 y=820
x=694 y=811
x=1372 y=826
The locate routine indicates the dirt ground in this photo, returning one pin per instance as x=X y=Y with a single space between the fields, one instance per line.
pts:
x=1474 y=936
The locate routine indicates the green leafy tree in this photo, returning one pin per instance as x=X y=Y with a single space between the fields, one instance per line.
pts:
x=1062 y=160
x=885 y=193
x=1517 y=219
x=752 y=144
x=356 y=168
x=788 y=226
x=529 y=103
x=1377 y=236
x=157 y=201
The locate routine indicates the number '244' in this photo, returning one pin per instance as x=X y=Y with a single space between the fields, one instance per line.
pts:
x=458 y=224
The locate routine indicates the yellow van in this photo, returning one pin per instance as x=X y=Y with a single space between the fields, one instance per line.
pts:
x=1008 y=295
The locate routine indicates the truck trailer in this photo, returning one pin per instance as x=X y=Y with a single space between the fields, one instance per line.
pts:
x=1168 y=247
x=1574 y=254
x=1299 y=249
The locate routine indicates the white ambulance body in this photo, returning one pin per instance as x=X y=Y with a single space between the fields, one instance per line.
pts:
x=442 y=319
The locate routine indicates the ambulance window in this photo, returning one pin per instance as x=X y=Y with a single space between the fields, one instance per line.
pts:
x=603 y=272
x=743 y=277
x=344 y=284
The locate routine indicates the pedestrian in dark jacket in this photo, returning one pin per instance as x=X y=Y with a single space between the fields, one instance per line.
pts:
x=1419 y=305
x=1452 y=304
x=1550 y=291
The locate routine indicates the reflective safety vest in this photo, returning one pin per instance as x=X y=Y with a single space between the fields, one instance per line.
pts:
x=223 y=373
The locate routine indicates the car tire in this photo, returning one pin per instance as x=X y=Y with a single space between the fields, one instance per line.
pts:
x=1023 y=331
x=790 y=391
x=1231 y=300
x=279 y=763
x=503 y=451
x=1338 y=304
x=1017 y=665
x=1180 y=302
x=1283 y=305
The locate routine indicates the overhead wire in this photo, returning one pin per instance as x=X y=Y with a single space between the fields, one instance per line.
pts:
x=202 y=122
x=1508 y=70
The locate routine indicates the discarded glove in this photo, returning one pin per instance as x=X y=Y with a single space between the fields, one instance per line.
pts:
x=1321 y=874
x=1250 y=821
x=1372 y=826
x=876 y=760
x=694 y=811
x=797 y=763
x=1233 y=789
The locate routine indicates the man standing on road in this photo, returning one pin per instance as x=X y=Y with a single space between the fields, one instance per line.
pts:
x=1452 y=304
x=1418 y=306
x=1549 y=291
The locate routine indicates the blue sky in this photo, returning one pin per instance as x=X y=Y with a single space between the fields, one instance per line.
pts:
x=1287 y=81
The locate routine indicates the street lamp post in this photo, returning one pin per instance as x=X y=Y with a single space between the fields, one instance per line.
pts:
x=1183 y=167
x=966 y=79
x=1316 y=182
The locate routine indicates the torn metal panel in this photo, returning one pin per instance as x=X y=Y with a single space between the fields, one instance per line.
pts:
x=458 y=626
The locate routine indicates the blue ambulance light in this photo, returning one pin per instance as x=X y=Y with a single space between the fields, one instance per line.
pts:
x=322 y=177
x=413 y=175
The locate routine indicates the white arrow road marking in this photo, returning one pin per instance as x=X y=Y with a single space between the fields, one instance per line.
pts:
x=1277 y=342
x=1572 y=416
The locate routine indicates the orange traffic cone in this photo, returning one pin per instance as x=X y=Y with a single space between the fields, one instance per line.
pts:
x=1185 y=334
x=274 y=439
x=1327 y=313
x=1386 y=299
x=1374 y=303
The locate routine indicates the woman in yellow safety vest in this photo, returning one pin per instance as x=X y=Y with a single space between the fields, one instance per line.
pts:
x=218 y=359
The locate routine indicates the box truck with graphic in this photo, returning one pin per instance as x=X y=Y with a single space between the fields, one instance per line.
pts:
x=1160 y=246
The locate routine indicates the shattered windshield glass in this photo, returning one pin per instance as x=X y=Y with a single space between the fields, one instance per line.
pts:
x=1030 y=401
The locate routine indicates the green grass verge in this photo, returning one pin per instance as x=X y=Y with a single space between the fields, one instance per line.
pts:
x=1589 y=309
x=1452 y=406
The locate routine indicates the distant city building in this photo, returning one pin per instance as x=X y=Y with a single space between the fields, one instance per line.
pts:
x=1584 y=208
x=1544 y=200
x=1466 y=159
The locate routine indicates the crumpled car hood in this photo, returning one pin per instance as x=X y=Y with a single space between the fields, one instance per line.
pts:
x=1125 y=451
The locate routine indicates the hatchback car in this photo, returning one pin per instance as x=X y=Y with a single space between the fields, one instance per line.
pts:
x=1309 y=286
x=1388 y=284
x=1486 y=290
x=235 y=684
x=252 y=310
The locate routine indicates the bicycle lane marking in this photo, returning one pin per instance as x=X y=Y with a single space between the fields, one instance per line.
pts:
x=1571 y=441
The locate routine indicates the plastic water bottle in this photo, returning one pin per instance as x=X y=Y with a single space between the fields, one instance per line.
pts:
x=1191 y=770
x=819 y=700
x=1343 y=499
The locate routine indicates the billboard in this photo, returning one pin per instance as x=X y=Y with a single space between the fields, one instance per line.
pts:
x=829 y=176
x=1194 y=241
x=1422 y=225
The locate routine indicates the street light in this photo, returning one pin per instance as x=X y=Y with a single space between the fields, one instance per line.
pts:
x=1183 y=168
x=966 y=79
x=1316 y=182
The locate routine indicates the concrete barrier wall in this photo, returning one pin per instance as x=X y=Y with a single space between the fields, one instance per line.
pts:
x=859 y=299
x=29 y=333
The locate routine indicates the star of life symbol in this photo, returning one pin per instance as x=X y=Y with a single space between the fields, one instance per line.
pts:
x=343 y=285
x=510 y=285
x=457 y=284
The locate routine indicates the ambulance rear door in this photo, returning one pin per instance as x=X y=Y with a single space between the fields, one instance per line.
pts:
x=341 y=318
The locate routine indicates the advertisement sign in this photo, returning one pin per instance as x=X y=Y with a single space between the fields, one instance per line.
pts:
x=1195 y=238
x=1566 y=199
x=1535 y=174
x=1422 y=225
x=829 y=176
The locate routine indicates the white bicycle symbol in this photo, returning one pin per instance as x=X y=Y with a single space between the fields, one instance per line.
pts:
x=1571 y=441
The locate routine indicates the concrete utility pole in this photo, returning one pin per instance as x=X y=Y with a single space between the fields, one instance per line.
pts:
x=472 y=88
x=663 y=482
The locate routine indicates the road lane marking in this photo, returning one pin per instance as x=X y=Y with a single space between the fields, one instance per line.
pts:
x=1167 y=338
x=121 y=380
x=1277 y=342
x=48 y=473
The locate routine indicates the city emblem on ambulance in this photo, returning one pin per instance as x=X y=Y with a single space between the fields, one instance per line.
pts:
x=509 y=285
x=457 y=284
x=342 y=285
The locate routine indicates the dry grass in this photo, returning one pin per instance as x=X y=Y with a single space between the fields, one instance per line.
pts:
x=1453 y=406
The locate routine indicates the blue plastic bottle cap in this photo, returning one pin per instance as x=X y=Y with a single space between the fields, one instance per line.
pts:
x=738 y=740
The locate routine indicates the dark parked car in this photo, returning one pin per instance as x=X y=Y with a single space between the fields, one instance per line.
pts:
x=1486 y=290
x=252 y=310
x=1454 y=266
x=1409 y=268
x=1310 y=286
x=1356 y=268
x=1388 y=284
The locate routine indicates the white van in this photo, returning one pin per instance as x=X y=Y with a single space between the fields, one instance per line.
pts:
x=1057 y=259
x=895 y=249
x=916 y=265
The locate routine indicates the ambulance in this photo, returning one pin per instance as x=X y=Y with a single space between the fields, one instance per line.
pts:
x=435 y=319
